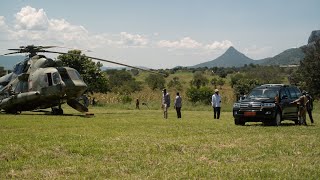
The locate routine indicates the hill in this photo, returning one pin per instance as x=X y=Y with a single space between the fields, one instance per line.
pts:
x=230 y=58
x=9 y=61
x=287 y=57
x=234 y=58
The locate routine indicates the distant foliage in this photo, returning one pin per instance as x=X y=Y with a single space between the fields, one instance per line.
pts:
x=122 y=82
x=221 y=82
x=202 y=94
x=175 y=83
x=244 y=86
x=89 y=70
x=199 y=80
x=125 y=99
x=155 y=81
x=308 y=72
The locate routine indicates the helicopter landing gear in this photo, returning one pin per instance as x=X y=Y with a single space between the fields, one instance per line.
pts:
x=57 y=111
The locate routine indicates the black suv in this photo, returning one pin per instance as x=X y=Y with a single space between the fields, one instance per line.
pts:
x=268 y=103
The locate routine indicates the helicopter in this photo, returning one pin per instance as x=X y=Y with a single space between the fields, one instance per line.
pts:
x=38 y=82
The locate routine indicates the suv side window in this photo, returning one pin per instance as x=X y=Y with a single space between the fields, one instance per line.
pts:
x=298 y=92
x=283 y=93
x=294 y=93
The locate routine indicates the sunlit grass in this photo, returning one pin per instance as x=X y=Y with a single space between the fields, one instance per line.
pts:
x=140 y=144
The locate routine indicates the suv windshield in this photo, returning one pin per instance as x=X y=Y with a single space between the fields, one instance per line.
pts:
x=262 y=93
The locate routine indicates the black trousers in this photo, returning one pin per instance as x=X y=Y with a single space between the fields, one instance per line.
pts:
x=216 y=112
x=178 y=109
x=310 y=115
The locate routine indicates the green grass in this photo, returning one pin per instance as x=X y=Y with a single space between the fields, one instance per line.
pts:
x=140 y=144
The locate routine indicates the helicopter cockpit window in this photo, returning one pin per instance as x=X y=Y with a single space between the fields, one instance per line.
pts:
x=74 y=75
x=56 y=78
x=21 y=67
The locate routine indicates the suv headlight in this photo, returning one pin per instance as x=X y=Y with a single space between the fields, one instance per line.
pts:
x=236 y=105
x=268 y=104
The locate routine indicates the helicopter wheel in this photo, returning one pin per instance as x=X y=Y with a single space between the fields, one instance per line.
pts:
x=57 y=111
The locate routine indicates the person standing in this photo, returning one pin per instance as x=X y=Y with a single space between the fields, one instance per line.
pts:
x=302 y=109
x=310 y=106
x=137 y=104
x=165 y=103
x=216 y=104
x=178 y=105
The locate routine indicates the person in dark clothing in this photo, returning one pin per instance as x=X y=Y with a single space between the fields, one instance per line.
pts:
x=310 y=106
x=137 y=104
x=178 y=105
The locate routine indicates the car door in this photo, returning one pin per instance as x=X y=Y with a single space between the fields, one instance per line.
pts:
x=285 y=103
x=293 y=108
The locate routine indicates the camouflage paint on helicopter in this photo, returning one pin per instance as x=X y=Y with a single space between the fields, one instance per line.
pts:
x=39 y=83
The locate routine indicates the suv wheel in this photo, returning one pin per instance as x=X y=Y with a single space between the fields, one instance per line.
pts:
x=277 y=119
x=240 y=121
x=236 y=121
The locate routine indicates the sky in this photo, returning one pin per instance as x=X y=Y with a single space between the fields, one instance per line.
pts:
x=159 y=33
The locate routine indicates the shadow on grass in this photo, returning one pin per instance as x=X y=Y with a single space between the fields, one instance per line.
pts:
x=264 y=125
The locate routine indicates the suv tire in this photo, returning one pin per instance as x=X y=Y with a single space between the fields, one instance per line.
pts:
x=277 y=119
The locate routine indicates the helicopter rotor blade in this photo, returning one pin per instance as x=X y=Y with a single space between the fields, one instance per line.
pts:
x=46 y=47
x=105 y=60
x=14 y=49
x=11 y=53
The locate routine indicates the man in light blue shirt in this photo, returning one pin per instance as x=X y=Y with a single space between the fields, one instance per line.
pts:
x=216 y=104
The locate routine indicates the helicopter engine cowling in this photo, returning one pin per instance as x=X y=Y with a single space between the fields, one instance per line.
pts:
x=12 y=102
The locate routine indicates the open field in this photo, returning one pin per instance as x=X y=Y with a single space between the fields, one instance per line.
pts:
x=140 y=144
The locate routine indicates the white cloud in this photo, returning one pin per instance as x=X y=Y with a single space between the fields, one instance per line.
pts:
x=189 y=43
x=219 y=45
x=31 y=19
x=132 y=40
x=2 y=22
x=257 y=52
x=184 y=43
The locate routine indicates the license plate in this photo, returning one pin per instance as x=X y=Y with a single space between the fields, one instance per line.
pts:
x=249 y=113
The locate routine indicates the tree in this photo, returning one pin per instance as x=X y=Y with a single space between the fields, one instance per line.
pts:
x=89 y=70
x=244 y=86
x=309 y=69
x=199 y=80
x=155 y=81
x=214 y=82
x=220 y=82
x=122 y=82
x=202 y=94
x=175 y=83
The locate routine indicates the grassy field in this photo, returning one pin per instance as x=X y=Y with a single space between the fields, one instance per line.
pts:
x=140 y=144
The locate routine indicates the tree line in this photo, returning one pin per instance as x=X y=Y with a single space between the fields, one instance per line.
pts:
x=241 y=79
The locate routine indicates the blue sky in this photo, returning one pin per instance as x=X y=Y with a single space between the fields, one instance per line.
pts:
x=160 y=34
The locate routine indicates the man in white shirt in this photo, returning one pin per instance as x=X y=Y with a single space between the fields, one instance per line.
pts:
x=165 y=103
x=216 y=104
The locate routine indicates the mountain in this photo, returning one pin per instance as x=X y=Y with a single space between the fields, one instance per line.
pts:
x=9 y=61
x=287 y=57
x=234 y=58
x=230 y=58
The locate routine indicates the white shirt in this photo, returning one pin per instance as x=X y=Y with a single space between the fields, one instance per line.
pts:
x=216 y=100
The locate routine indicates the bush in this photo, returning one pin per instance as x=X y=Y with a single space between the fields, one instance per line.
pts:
x=203 y=95
x=125 y=99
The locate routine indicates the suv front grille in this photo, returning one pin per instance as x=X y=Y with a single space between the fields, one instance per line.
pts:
x=250 y=106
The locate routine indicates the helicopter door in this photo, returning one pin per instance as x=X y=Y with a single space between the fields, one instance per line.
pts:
x=49 y=79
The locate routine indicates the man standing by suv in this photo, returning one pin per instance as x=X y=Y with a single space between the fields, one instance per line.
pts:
x=216 y=104
x=310 y=106
x=302 y=112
